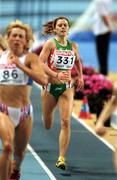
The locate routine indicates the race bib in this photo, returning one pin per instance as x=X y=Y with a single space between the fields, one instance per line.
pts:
x=64 y=59
x=10 y=74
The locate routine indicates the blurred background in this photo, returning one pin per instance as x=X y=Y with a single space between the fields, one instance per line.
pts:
x=80 y=14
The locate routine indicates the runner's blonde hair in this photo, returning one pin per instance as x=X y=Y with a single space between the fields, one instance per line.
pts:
x=26 y=27
x=3 y=43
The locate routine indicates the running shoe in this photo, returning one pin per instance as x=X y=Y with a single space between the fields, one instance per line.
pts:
x=15 y=175
x=61 y=163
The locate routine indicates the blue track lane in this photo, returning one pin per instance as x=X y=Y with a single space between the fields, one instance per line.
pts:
x=87 y=159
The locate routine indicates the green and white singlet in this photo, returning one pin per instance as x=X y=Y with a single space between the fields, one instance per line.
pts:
x=61 y=58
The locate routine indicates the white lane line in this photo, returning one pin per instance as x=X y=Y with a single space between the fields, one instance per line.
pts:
x=87 y=127
x=81 y=122
x=36 y=156
x=39 y=160
x=92 y=131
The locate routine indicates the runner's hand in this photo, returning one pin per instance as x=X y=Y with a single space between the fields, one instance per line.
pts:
x=79 y=84
x=14 y=59
x=100 y=129
x=64 y=76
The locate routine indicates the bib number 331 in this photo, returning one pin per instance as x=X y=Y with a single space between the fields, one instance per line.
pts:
x=64 y=62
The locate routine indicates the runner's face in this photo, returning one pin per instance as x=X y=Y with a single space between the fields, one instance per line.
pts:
x=62 y=27
x=17 y=39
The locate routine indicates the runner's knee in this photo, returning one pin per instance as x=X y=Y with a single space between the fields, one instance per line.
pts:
x=65 y=123
x=8 y=147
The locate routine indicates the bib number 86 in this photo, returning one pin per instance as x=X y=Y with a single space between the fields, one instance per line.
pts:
x=7 y=74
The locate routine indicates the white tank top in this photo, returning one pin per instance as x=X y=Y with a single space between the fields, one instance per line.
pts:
x=10 y=74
